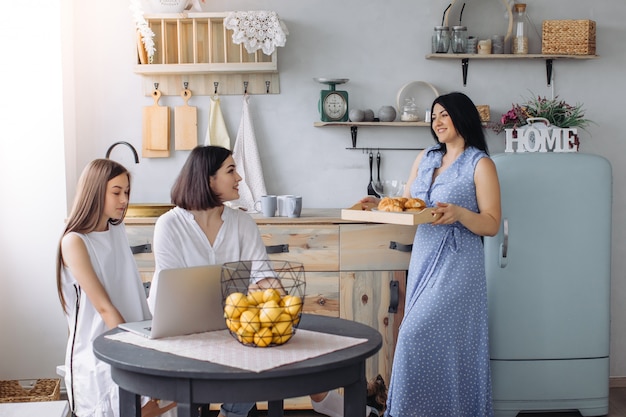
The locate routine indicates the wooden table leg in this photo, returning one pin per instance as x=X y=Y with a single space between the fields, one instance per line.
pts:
x=130 y=404
x=355 y=396
x=275 y=408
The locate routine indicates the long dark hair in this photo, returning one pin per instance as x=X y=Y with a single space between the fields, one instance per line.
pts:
x=88 y=205
x=192 y=188
x=465 y=118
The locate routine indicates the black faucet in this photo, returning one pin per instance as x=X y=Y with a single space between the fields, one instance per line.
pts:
x=132 y=148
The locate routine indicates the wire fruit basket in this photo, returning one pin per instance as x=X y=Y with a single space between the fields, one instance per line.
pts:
x=263 y=314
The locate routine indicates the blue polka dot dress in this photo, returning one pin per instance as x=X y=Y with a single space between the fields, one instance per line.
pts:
x=441 y=362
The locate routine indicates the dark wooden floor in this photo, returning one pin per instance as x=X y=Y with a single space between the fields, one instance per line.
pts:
x=617 y=408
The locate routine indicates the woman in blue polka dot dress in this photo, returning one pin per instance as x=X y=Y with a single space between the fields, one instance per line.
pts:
x=441 y=362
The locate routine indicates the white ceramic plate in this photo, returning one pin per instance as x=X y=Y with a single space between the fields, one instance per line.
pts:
x=424 y=93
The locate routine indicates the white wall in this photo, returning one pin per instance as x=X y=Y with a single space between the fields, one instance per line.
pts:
x=379 y=46
x=32 y=183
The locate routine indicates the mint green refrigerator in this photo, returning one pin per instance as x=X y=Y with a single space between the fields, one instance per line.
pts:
x=548 y=279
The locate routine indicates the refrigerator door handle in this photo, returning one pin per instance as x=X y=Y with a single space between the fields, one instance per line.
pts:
x=504 y=246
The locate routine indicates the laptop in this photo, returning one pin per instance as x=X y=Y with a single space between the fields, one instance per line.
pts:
x=188 y=300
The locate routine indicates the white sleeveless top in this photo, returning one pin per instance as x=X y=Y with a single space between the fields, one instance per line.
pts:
x=112 y=260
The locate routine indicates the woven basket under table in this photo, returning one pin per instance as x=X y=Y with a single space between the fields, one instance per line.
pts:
x=33 y=390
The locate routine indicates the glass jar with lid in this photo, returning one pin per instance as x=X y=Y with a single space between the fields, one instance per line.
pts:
x=441 y=40
x=459 y=39
x=520 y=37
x=409 y=111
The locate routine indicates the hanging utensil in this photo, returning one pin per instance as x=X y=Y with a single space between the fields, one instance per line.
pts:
x=378 y=186
x=370 y=186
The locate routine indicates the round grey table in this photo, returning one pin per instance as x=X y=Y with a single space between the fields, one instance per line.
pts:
x=193 y=383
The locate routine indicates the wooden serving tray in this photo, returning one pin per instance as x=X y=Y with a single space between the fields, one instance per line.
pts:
x=410 y=218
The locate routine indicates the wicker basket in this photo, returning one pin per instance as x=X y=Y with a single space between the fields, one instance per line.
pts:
x=484 y=112
x=32 y=390
x=568 y=37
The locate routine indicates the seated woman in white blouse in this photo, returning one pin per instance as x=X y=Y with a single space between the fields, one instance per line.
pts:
x=201 y=230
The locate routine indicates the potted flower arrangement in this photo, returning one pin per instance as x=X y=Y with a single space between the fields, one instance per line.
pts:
x=557 y=112
x=554 y=113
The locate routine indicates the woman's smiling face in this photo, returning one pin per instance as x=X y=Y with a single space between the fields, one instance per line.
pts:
x=225 y=182
x=443 y=126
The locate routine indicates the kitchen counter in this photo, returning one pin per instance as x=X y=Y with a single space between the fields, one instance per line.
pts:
x=309 y=216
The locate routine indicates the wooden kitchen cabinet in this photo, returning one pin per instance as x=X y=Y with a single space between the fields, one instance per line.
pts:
x=351 y=271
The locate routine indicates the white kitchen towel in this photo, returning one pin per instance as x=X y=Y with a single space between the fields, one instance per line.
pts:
x=216 y=131
x=246 y=155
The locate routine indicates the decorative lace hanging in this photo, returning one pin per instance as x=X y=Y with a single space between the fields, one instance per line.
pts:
x=257 y=30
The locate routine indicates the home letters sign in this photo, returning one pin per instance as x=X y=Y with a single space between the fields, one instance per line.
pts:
x=542 y=139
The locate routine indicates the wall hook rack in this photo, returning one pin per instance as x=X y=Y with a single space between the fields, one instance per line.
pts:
x=222 y=84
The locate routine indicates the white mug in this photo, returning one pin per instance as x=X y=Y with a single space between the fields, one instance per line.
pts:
x=294 y=206
x=282 y=204
x=268 y=205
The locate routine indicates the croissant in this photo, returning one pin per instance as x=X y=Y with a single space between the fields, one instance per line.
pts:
x=414 y=204
x=390 y=204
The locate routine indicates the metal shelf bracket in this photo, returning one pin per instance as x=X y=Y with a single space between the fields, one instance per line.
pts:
x=464 y=68
x=549 y=71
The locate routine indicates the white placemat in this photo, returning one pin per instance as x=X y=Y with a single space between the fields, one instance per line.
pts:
x=220 y=347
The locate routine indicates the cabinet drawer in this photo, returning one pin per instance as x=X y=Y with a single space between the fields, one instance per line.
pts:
x=365 y=247
x=322 y=293
x=317 y=247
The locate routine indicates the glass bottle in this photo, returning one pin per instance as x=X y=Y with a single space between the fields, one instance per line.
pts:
x=520 y=37
x=459 y=39
x=441 y=40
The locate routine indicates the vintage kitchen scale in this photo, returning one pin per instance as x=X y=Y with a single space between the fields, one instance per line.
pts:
x=333 y=104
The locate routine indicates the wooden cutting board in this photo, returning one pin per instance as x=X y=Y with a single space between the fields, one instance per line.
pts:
x=185 y=124
x=156 y=129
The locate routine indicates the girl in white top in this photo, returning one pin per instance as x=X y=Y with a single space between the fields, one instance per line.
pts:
x=98 y=284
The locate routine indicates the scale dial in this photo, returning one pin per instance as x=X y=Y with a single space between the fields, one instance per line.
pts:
x=335 y=106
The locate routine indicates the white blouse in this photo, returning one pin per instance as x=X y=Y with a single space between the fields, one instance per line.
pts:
x=179 y=242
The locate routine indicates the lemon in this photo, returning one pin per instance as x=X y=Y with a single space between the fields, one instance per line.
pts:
x=255 y=298
x=250 y=321
x=292 y=304
x=235 y=304
x=263 y=337
x=269 y=313
x=233 y=325
x=279 y=340
x=282 y=325
x=245 y=337
x=271 y=294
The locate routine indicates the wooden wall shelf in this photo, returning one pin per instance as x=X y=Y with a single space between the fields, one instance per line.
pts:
x=354 y=126
x=198 y=49
x=548 y=58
